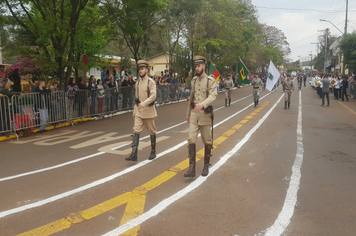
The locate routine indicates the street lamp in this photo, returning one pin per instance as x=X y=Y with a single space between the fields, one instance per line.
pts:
x=332 y=24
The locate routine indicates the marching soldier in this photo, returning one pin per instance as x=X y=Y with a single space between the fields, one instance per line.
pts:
x=229 y=84
x=144 y=111
x=288 y=88
x=200 y=114
x=257 y=86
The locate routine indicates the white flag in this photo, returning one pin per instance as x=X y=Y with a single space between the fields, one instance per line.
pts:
x=273 y=76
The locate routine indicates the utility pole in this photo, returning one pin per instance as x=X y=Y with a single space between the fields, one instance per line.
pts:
x=326 y=48
x=347 y=12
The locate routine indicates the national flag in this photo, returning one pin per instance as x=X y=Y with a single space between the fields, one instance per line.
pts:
x=243 y=73
x=213 y=71
x=273 y=76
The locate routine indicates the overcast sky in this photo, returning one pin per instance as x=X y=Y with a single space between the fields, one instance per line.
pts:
x=301 y=26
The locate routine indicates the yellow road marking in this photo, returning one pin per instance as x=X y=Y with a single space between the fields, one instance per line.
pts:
x=347 y=108
x=134 y=200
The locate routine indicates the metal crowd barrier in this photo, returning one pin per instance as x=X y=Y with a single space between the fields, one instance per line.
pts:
x=38 y=110
x=35 y=110
x=5 y=115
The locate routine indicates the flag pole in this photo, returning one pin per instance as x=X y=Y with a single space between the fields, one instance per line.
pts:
x=245 y=65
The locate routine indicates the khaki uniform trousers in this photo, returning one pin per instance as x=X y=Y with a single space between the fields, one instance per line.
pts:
x=227 y=94
x=149 y=123
x=287 y=94
x=256 y=94
x=205 y=131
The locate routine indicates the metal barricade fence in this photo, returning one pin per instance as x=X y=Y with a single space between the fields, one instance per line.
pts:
x=35 y=110
x=38 y=110
x=5 y=115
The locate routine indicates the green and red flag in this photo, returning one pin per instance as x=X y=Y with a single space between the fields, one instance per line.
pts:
x=243 y=73
x=213 y=71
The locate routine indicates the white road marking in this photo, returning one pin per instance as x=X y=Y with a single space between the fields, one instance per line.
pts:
x=286 y=214
x=109 y=178
x=96 y=154
x=199 y=181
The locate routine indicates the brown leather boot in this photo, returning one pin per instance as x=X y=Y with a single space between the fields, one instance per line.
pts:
x=207 y=155
x=192 y=161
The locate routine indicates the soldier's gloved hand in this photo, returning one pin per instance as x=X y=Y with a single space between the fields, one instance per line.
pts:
x=198 y=107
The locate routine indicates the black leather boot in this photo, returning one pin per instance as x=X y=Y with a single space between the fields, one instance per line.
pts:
x=285 y=105
x=153 y=148
x=135 y=141
x=207 y=155
x=255 y=103
x=288 y=105
x=192 y=161
x=226 y=102
x=229 y=102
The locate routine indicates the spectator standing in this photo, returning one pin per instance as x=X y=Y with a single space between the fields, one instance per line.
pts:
x=34 y=84
x=42 y=103
x=101 y=95
x=54 y=101
x=325 y=83
x=92 y=89
x=2 y=72
x=107 y=94
x=4 y=109
x=102 y=75
x=72 y=88
x=81 y=96
x=16 y=79
x=125 y=93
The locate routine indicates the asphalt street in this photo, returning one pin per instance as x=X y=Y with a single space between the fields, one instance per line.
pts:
x=274 y=172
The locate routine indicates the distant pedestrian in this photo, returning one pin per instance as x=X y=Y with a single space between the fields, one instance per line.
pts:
x=325 y=90
x=42 y=102
x=345 y=86
x=101 y=95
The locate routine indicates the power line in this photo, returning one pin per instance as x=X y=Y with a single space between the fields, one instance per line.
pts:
x=305 y=9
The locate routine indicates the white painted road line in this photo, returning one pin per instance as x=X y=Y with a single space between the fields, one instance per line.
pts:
x=286 y=214
x=199 y=181
x=109 y=178
x=98 y=153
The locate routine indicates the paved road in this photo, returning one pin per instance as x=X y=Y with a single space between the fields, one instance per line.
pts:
x=274 y=172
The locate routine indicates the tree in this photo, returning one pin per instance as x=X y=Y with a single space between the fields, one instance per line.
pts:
x=134 y=19
x=52 y=26
x=348 y=48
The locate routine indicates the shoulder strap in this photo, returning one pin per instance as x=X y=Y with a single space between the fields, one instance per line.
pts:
x=148 y=88
x=207 y=87
x=137 y=88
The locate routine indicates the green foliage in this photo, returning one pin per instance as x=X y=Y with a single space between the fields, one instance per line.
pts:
x=348 y=47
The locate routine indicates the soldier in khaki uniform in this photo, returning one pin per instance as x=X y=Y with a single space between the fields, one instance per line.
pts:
x=288 y=88
x=229 y=84
x=144 y=111
x=257 y=87
x=200 y=114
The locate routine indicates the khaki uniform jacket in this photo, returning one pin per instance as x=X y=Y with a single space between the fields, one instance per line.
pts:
x=256 y=82
x=147 y=112
x=289 y=83
x=228 y=83
x=199 y=91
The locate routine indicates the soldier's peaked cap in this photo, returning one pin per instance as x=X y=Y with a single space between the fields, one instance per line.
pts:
x=199 y=59
x=143 y=63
